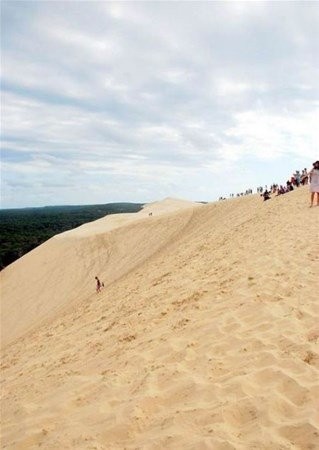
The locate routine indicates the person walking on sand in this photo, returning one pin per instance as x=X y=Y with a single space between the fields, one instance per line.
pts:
x=314 y=183
x=98 y=285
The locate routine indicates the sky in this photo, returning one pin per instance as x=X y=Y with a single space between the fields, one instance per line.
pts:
x=138 y=101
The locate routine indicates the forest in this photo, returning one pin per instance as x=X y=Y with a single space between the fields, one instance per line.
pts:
x=21 y=230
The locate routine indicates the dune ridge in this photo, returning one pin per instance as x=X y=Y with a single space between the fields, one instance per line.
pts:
x=206 y=336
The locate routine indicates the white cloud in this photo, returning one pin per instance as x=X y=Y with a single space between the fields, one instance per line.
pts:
x=269 y=136
x=151 y=97
x=229 y=87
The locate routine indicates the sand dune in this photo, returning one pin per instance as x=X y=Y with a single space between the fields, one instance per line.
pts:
x=61 y=272
x=205 y=336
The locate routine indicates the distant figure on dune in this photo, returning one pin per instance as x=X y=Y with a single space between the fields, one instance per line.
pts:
x=290 y=186
x=99 y=285
x=297 y=178
x=314 y=183
x=266 y=195
x=304 y=176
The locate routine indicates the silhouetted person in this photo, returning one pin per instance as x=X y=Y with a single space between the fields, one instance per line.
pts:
x=98 y=285
x=266 y=195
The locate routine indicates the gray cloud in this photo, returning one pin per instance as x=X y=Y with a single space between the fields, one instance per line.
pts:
x=131 y=99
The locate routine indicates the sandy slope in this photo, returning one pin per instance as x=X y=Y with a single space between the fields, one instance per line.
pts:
x=61 y=271
x=205 y=336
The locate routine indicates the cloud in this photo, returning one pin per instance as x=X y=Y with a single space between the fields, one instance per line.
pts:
x=130 y=101
x=268 y=136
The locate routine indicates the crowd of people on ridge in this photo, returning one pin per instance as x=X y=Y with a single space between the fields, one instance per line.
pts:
x=299 y=178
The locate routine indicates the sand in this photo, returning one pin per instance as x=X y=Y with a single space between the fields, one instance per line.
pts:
x=205 y=336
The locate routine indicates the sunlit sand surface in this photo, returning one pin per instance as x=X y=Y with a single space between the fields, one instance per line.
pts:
x=204 y=337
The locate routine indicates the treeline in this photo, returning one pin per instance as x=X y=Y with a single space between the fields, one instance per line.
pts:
x=21 y=230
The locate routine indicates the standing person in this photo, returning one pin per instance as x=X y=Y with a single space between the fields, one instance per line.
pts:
x=304 y=177
x=314 y=183
x=297 y=178
x=98 y=285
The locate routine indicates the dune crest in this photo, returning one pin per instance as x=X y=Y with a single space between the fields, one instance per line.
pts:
x=205 y=337
x=113 y=221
